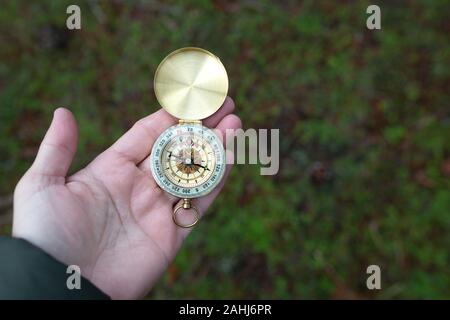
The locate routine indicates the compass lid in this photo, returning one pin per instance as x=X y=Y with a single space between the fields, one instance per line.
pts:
x=191 y=83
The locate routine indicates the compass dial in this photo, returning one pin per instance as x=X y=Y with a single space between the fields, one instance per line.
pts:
x=188 y=160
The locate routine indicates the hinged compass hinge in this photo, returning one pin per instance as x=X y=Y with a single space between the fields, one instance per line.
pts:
x=181 y=121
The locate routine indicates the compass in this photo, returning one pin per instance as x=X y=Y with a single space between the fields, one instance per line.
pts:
x=188 y=159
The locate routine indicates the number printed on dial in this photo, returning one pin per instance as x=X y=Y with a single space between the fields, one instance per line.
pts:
x=188 y=160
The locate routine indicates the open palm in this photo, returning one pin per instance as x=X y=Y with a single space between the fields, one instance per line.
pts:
x=110 y=218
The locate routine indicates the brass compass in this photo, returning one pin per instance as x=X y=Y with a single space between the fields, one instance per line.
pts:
x=188 y=159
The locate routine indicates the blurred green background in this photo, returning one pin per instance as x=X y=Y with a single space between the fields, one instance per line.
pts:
x=364 y=128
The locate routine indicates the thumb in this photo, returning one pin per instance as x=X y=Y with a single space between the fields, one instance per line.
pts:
x=58 y=146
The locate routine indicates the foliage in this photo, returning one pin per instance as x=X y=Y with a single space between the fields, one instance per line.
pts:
x=363 y=118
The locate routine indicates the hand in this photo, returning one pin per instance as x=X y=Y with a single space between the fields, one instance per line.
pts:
x=110 y=218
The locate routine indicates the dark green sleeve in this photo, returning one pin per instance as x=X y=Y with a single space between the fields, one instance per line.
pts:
x=27 y=272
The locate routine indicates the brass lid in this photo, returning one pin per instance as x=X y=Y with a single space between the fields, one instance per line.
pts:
x=191 y=83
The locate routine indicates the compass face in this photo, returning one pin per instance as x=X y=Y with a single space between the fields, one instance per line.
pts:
x=188 y=160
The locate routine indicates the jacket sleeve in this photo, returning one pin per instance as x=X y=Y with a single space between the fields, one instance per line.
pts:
x=27 y=272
